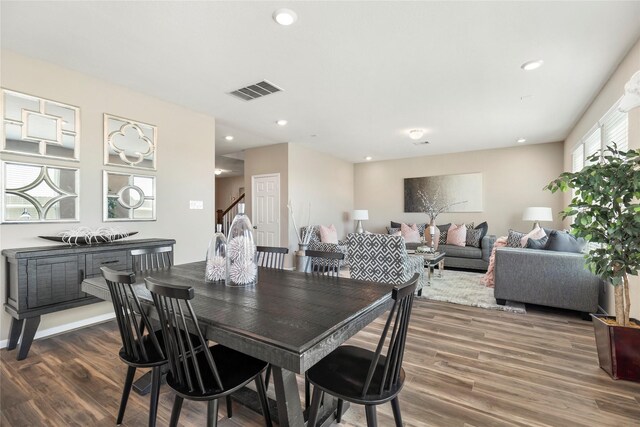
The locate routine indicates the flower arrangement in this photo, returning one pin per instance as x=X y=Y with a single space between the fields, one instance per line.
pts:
x=434 y=204
x=303 y=237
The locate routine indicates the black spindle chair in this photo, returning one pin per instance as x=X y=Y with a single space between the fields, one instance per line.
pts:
x=138 y=350
x=271 y=256
x=365 y=377
x=146 y=259
x=324 y=263
x=197 y=371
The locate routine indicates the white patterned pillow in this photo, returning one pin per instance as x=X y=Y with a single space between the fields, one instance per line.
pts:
x=513 y=239
x=473 y=237
x=392 y=230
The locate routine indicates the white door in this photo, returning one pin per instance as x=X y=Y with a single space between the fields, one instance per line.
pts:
x=265 y=208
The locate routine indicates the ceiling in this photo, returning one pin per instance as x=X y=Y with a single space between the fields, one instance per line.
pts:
x=356 y=76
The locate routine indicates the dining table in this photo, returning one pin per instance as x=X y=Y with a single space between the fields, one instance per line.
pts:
x=289 y=319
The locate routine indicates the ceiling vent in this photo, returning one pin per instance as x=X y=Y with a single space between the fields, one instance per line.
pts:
x=257 y=90
x=421 y=143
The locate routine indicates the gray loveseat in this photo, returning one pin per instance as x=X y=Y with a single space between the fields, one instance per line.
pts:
x=465 y=256
x=554 y=279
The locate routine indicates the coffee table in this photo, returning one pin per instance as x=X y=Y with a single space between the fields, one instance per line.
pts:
x=431 y=262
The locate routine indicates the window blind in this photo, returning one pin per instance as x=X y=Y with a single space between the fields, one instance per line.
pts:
x=615 y=128
x=578 y=159
x=591 y=144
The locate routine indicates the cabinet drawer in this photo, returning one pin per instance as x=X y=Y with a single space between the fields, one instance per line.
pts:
x=116 y=260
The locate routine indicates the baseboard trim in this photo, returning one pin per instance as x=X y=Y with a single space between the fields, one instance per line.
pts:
x=68 y=327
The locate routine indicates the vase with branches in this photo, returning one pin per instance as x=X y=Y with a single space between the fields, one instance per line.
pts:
x=433 y=204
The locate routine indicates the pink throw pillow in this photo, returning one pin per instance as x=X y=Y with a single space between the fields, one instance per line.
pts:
x=410 y=233
x=328 y=234
x=457 y=235
x=535 y=234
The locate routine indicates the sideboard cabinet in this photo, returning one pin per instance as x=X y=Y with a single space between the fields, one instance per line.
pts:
x=47 y=279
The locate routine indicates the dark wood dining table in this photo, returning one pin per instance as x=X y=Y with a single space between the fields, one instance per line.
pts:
x=289 y=319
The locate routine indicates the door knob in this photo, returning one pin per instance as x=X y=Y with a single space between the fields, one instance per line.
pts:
x=255 y=227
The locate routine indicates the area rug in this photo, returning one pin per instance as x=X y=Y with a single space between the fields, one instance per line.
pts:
x=464 y=288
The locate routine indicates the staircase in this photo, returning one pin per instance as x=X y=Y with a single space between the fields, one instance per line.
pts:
x=225 y=217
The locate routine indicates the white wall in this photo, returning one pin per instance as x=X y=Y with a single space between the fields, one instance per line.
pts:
x=610 y=93
x=185 y=162
x=513 y=179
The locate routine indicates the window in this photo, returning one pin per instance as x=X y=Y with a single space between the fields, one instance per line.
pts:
x=612 y=127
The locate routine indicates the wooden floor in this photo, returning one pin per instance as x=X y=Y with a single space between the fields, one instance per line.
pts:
x=465 y=367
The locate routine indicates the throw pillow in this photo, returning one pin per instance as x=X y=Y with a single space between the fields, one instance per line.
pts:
x=536 y=233
x=457 y=235
x=469 y=225
x=394 y=224
x=537 y=243
x=473 y=237
x=484 y=227
x=562 y=242
x=397 y=233
x=392 y=230
x=443 y=233
x=410 y=233
x=513 y=239
x=328 y=234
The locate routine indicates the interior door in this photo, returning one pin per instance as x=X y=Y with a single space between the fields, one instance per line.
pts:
x=265 y=209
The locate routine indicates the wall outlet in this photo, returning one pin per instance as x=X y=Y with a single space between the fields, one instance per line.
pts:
x=196 y=204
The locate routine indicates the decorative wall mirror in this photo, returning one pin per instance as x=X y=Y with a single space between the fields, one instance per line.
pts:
x=38 y=193
x=129 y=143
x=129 y=197
x=40 y=127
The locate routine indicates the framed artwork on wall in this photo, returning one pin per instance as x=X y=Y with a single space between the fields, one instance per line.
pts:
x=464 y=191
x=128 y=197
x=129 y=143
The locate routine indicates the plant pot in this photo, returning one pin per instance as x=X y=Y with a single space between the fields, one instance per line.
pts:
x=301 y=259
x=618 y=349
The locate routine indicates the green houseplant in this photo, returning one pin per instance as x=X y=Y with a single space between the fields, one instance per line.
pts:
x=606 y=207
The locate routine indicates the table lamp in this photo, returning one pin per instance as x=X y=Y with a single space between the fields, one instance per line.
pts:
x=360 y=215
x=537 y=214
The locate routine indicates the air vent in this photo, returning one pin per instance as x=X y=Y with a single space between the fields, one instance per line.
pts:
x=421 y=143
x=257 y=90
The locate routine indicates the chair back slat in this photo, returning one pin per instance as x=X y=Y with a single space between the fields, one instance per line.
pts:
x=271 y=256
x=324 y=263
x=398 y=322
x=146 y=259
x=127 y=306
x=179 y=326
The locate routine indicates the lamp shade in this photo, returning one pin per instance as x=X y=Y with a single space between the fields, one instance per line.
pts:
x=360 y=214
x=537 y=214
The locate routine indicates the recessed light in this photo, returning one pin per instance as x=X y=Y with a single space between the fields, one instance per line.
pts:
x=368 y=158
x=416 y=134
x=229 y=137
x=282 y=122
x=218 y=171
x=285 y=16
x=532 y=65
x=521 y=140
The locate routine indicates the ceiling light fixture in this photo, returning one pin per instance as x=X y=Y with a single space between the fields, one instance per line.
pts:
x=229 y=137
x=285 y=16
x=218 y=171
x=368 y=158
x=416 y=134
x=521 y=140
x=282 y=122
x=532 y=65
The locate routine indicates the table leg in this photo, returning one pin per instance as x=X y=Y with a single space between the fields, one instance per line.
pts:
x=287 y=398
x=440 y=268
x=14 y=332
x=29 y=331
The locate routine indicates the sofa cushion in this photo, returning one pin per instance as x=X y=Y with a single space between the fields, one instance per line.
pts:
x=484 y=227
x=328 y=234
x=562 y=242
x=457 y=235
x=410 y=233
x=444 y=228
x=460 y=251
x=474 y=237
x=536 y=233
x=421 y=227
x=537 y=243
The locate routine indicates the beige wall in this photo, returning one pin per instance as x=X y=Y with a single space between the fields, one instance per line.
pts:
x=181 y=175
x=268 y=160
x=513 y=179
x=612 y=91
x=227 y=190
x=324 y=181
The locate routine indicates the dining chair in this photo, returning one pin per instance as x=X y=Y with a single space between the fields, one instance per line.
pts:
x=197 y=371
x=324 y=263
x=365 y=377
x=146 y=259
x=271 y=256
x=138 y=350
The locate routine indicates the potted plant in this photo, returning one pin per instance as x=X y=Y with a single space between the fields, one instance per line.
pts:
x=606 y=206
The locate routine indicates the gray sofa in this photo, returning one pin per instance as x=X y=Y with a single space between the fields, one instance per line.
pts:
x=554 y=279
x=465 y=256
